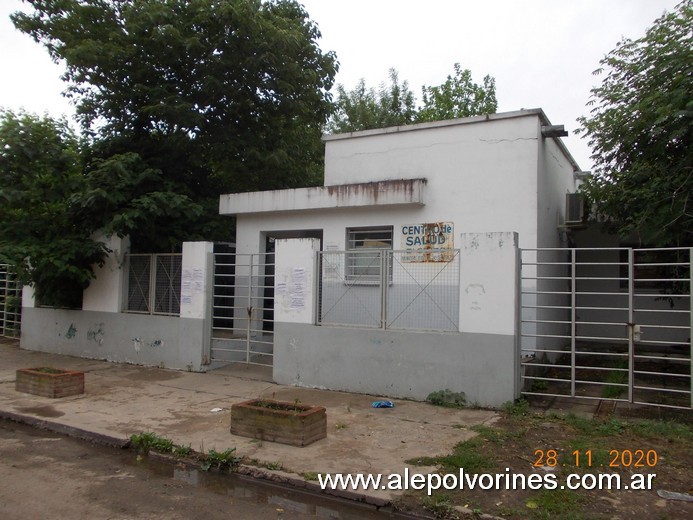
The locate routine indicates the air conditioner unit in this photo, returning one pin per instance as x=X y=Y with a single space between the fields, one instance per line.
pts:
x=574 y=210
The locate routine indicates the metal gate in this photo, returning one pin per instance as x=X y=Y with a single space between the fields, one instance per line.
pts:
x=243 y=307
x=609 y=323
x=10 y=303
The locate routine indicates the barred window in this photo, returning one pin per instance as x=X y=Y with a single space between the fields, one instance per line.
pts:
x=154 y=284
x=365 y=246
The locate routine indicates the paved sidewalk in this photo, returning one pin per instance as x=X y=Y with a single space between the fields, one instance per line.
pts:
x=121 y=400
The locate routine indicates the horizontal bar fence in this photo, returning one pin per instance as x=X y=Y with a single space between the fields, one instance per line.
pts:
x=608 y=323
x=10 y=303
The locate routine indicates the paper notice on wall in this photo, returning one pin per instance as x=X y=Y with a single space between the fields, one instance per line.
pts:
x=297 y=288
x=186 y=287
x=198 y=281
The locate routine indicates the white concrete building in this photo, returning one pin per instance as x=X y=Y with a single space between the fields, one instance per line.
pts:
x=411 y=322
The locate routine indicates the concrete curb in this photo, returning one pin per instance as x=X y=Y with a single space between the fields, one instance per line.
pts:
x=63 y=429
x=310 y=486
x=252 y=472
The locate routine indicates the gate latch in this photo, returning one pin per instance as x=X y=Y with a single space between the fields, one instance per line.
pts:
x=634 y=331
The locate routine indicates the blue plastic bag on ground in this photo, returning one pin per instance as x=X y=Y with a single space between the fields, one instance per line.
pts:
x=383 y=404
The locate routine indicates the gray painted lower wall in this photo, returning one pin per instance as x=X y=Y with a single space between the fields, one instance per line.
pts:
x=397 y=363
x=164 y=341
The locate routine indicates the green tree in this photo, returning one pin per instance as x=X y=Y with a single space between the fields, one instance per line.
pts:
x=51 y=208
x=394 y=104
x=364 y=108
x=639 y=130
x=457 y=97
x=216 y=95
x=40 y=171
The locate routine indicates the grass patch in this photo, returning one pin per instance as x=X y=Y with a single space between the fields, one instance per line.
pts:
x=555 y=503
x=669 y=430
x=465 y=455
x=310 y=475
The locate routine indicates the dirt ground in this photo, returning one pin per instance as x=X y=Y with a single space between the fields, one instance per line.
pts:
x=521 y=441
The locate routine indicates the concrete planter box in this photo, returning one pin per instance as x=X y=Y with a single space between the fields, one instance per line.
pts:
x=49 y=382
x=279 y=421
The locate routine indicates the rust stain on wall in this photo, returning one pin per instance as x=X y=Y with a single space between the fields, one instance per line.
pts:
x=373 y=190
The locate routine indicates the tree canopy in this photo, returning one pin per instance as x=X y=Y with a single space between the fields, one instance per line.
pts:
x=216 y=95
x=40 y=171
x=394 y=104
x=640 y=128
x=178 y=101
x=52 y=207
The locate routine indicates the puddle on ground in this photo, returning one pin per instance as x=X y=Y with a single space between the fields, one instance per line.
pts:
x=41 y=411
x=240 y=487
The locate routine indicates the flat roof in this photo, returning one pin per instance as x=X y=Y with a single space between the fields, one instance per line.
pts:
x=536 y=112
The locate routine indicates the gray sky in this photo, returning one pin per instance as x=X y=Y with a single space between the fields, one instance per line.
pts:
x=541 y=52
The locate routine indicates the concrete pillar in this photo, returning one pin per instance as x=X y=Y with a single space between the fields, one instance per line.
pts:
x=490 y=288
x=196 y=280
x=488 y=283
x=294 y=280
x=106 y=292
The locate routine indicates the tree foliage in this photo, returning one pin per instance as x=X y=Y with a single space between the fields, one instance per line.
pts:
x=394 y=104
x=640 y=132
x=216 y=95
x=458 y=96
x=53 y=205
x=40 y=171
x=364 y=108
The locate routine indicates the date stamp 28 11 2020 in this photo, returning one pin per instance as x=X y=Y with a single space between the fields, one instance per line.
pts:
x=586 y=458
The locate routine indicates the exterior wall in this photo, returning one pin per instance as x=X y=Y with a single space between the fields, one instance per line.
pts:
x=163 y=341
x=554 y=179
x=483 y=175
x=396 y=363
x=482 y=361
x=101 y=331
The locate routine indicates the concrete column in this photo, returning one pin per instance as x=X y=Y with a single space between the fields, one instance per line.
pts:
x=106 y=292
x=196 y=280
x=28 y=297
x=489 y=283
x=490 y=290
x=294 y=297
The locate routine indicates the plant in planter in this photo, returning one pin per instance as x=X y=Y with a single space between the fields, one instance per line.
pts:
x=49 y=382
x=279 y=421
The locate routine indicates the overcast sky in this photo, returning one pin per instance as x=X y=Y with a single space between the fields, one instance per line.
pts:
x=541 y=52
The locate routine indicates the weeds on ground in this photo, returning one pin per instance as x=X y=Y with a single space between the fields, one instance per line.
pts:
x=517 y=408
x=310 y=475
x=221 y=460
x=147 y=441
x=447 y=398
x=617 y=380
x=555 y=503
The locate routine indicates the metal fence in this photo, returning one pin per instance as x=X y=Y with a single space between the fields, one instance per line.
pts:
x=10 y=303
x=610 y=323
x=381 y=288
x=154 y=283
